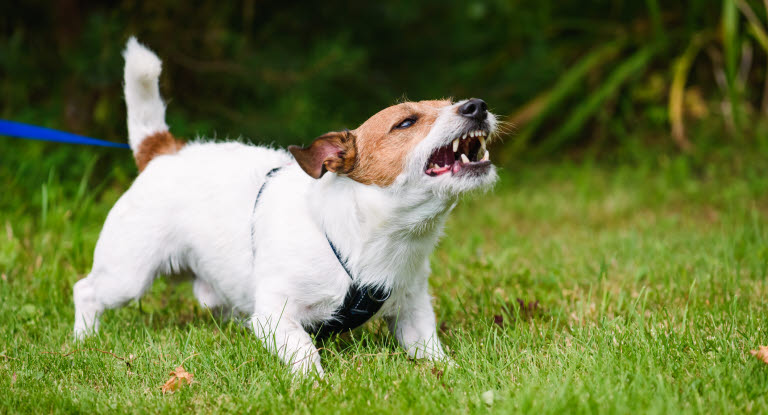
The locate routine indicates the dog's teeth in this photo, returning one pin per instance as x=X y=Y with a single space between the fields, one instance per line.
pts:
x=487 y=156
x=455 y=145
x=482 y=142
x=464 y=136
x=464 y=159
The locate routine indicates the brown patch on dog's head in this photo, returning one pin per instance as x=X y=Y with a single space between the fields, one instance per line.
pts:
x=383 y=145
x=375 y=152
x=334 y=152
x=155 y=145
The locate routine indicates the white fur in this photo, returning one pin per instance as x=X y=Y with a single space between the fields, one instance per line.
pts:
x=194 y=211
x=146 y=111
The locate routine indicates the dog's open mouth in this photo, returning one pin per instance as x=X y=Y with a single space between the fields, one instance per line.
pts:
x=466 y=153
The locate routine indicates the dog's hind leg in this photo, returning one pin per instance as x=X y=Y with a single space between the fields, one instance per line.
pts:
x=107 y=287
x=205 y=294
x=207 y=297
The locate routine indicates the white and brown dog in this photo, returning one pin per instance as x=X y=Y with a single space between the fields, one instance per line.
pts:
x=323 y=236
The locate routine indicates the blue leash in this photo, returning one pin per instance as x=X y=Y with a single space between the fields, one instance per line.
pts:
x=32 y=132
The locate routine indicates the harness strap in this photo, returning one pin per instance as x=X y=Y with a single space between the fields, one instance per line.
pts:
x=253 y=211
x=360 y=303
x=342 y=261
x=261 y=189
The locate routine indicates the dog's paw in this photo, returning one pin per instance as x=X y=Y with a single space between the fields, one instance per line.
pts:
x=450 y=363
x=82 y=330
x=444 y=360
x=80 y=334
x=307 y=368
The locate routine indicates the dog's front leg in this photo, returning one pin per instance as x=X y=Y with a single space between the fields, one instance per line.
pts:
x=288 y=340
x=413 y=324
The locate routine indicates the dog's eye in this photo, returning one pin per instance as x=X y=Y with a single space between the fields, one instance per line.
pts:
x=406 y=123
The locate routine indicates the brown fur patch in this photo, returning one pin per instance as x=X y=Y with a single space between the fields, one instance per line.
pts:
x=382 y=149
x=155 y=145
x=334 y=152
x=375 y=152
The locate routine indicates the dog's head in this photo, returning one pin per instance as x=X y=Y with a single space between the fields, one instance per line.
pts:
x=437 y=145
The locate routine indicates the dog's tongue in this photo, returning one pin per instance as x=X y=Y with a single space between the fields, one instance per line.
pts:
x=456 y=167
x=438 y=170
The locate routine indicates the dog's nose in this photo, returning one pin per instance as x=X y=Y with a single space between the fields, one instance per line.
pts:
x=474 y=108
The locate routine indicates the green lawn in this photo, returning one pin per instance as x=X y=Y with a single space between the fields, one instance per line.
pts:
x=643 y=286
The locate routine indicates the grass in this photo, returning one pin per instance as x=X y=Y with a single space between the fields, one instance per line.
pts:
x=641 y=288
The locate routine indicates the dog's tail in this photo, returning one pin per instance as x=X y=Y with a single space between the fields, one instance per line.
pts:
x=148 y=134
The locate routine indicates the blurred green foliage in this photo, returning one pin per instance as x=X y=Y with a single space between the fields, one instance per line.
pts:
x=592 y=75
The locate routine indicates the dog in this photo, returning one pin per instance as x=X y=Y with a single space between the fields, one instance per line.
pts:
x=313 y=240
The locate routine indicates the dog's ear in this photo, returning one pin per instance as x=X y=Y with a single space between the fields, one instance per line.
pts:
x=334 y=152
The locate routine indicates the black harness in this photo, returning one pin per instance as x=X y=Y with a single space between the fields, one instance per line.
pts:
x=360 y=303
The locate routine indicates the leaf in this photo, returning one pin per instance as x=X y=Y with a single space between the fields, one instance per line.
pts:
x=761 y=354
x=731 y=46
x=609 y=87
x=179 y=378
x=437 y=372
x=571 y=80
x=755 y=27
x=681 y=68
